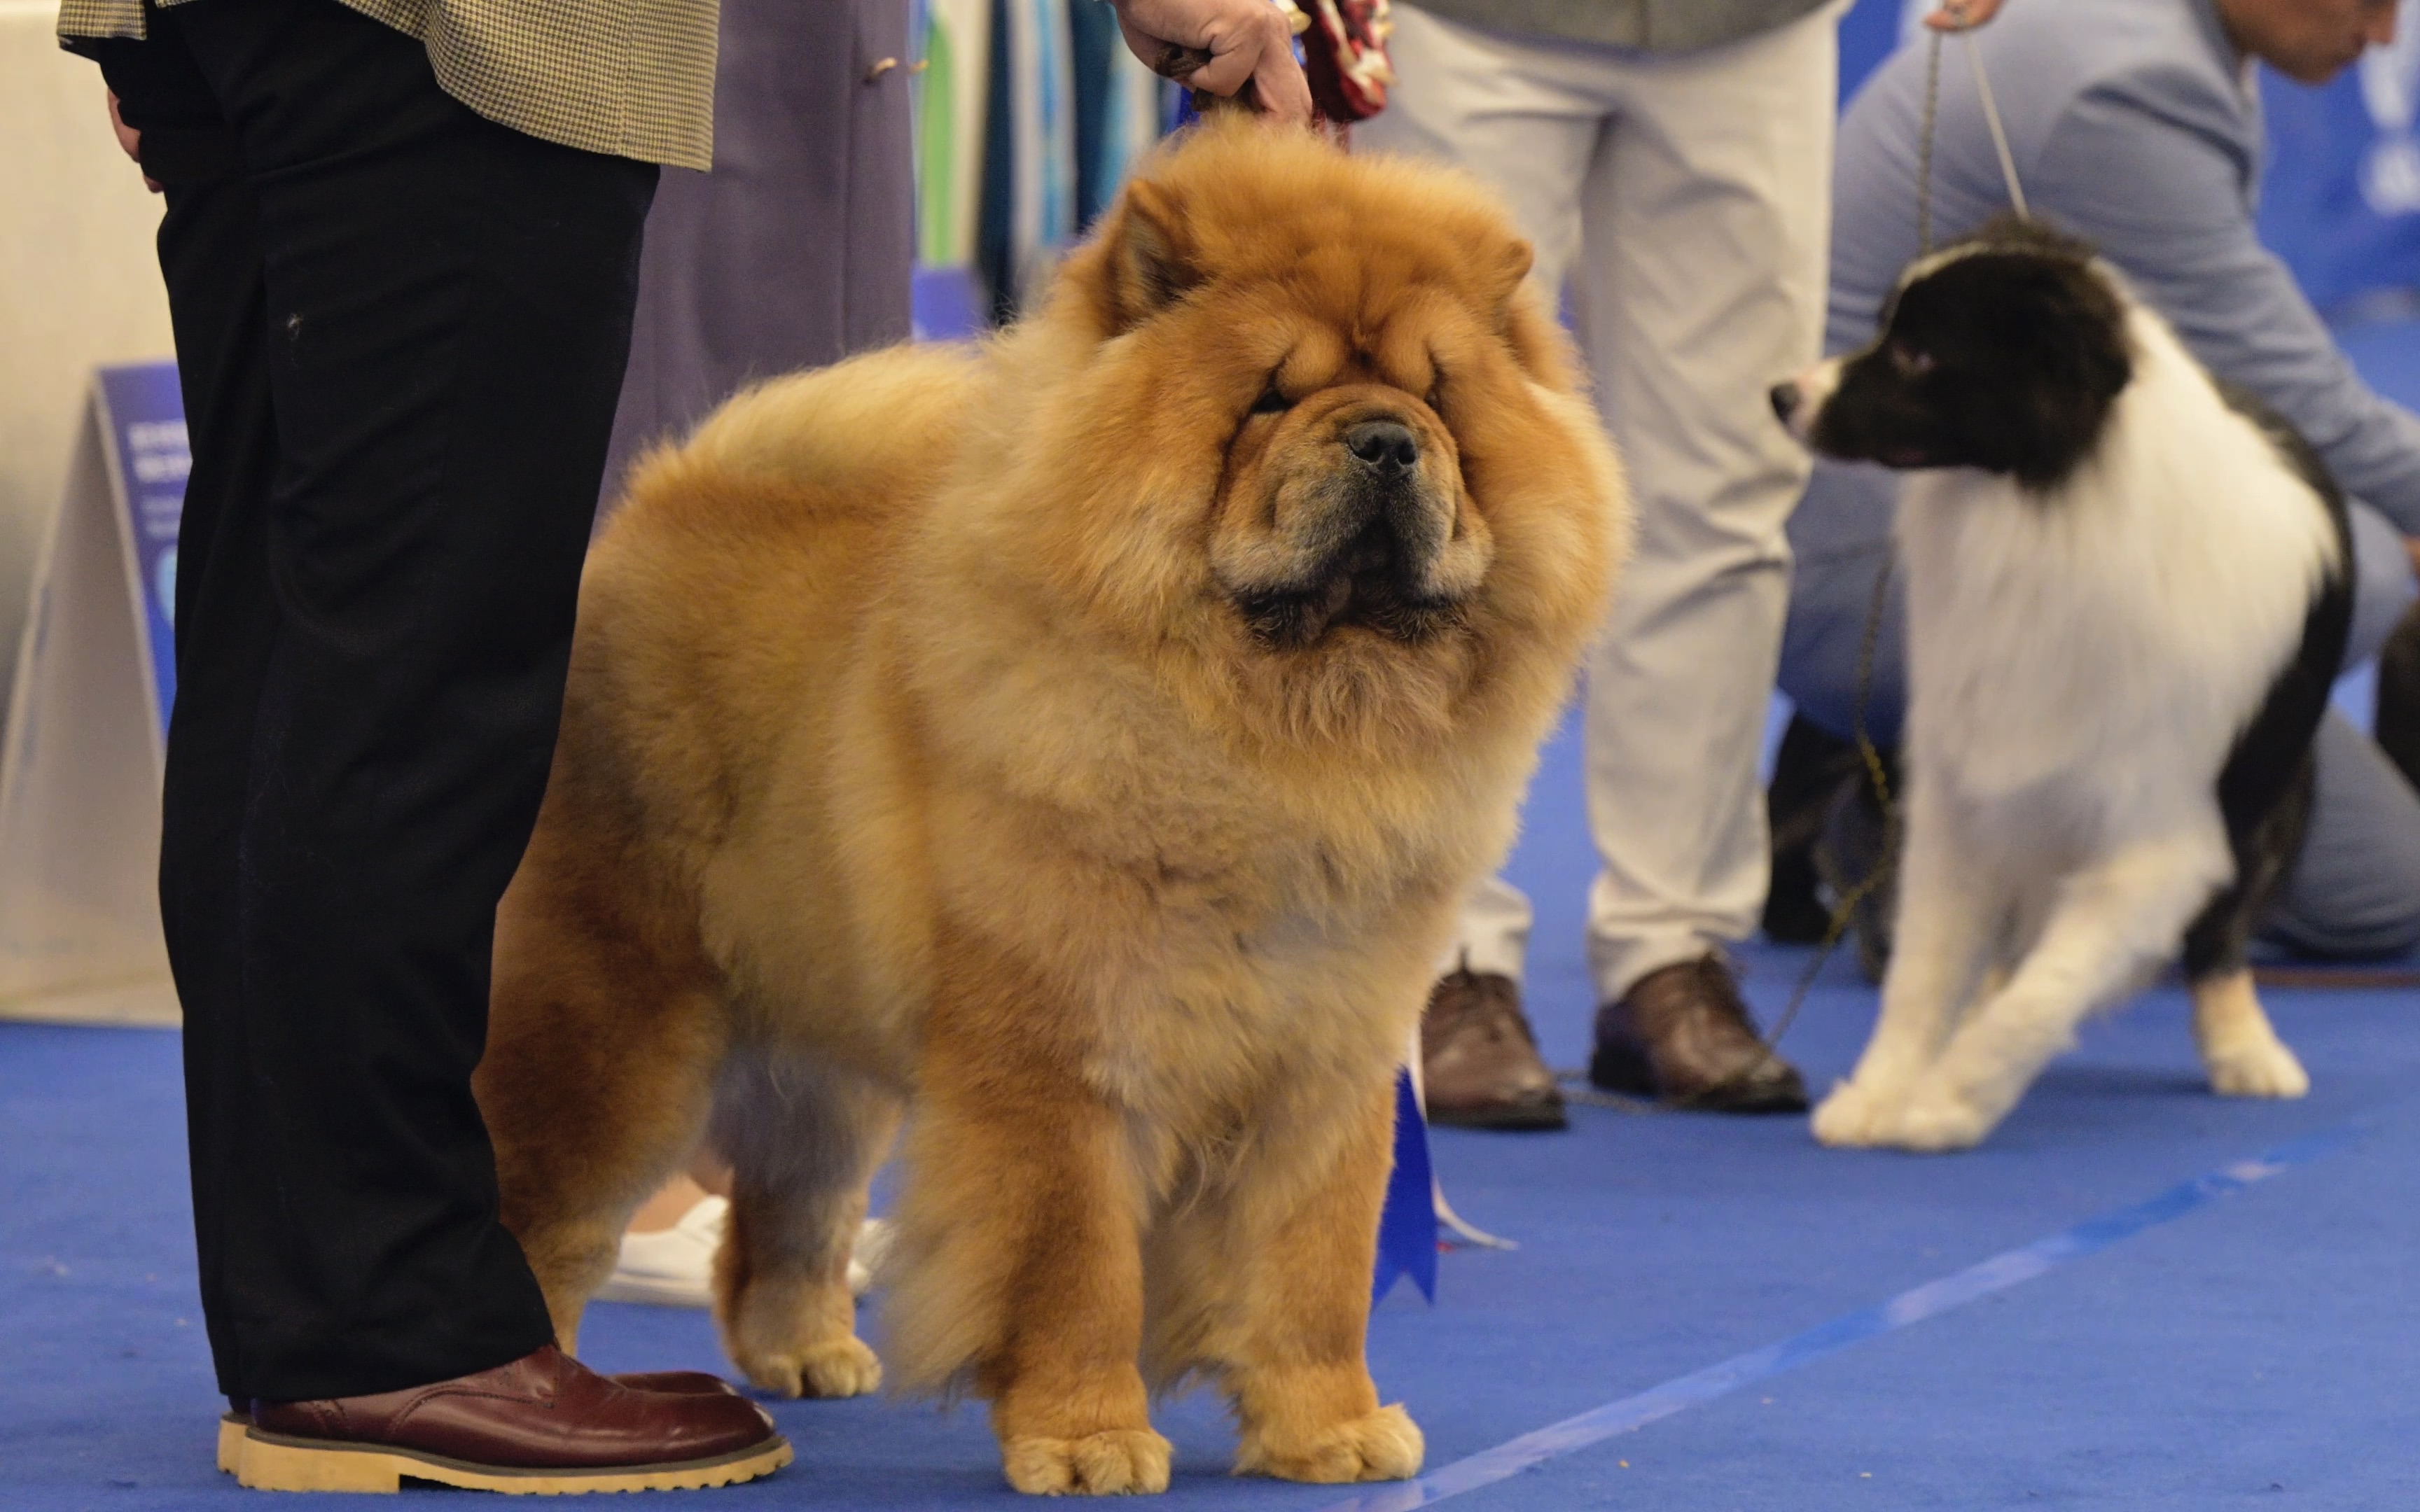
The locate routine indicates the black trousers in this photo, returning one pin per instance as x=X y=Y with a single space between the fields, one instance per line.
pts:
x=400 y=330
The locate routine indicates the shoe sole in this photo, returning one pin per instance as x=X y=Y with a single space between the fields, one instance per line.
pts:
x=1753 y=1106
x=1623 y=1070
x=1630 y=1075
x=234 y=1425
x=275 y=1462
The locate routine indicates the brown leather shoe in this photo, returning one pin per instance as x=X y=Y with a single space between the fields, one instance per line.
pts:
x=234 y=1425
x=543 y=1424
x=1683 y=1036
x=1479 y=1061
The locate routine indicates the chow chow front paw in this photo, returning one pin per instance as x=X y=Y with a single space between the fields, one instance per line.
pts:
x=837 y=1368
x=1381 y=1446
x=1118 y=1462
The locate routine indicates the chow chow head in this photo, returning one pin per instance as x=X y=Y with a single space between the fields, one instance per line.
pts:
x=1299 y=420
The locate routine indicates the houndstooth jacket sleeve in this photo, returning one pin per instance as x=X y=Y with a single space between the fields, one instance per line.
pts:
x=631 y=78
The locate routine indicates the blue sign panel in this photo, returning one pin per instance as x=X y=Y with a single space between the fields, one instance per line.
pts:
x=144 y=418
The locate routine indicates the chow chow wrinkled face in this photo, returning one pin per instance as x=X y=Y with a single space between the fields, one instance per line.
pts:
x=1322 y=429
x=1346 y=508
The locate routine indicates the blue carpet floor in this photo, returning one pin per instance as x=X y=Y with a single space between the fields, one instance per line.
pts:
x=2259 y=1346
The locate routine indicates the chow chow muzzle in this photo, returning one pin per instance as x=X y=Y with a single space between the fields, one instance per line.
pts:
x=1362 y=526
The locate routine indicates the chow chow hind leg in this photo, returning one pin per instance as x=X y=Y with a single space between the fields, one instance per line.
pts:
x=604 y=1034
x=1266 y=1284
x=803 y=1139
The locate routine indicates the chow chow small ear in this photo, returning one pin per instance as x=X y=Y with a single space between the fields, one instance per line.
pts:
x=1151 y=255
x=1539 y=343
x=1513 y=264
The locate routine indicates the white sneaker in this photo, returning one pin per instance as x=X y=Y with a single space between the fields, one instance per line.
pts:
x=865 y=1255
x=674 y=1267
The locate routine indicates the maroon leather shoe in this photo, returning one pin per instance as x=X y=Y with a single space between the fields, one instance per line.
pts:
x=543 y=1424
x=235 y=1424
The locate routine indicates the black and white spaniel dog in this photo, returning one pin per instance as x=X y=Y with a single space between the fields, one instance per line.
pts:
x=2128 y=592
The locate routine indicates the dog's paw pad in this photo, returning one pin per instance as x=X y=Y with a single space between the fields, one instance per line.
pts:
x=844 y=1367
x=1119 y=1462
x=1933 y=1125
x=2258 y=1068
x=1381 y=1446
x=1853 y=1118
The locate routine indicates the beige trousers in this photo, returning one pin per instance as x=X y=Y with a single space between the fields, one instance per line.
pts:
x=1684 y=202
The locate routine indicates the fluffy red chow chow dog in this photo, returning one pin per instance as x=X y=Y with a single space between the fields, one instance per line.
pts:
x=1076 y=745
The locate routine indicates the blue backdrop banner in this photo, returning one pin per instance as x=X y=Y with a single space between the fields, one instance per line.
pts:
x=2342 y=200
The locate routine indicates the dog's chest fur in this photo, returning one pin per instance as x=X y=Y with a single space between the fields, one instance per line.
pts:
x=2083 y=660
x=1264 y=941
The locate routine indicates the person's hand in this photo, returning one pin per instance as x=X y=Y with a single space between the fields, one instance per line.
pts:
x=1963 y=15
x=130 y=139
x=1220 y=46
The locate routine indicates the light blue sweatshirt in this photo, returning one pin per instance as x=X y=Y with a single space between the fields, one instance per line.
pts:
x=2135 y=125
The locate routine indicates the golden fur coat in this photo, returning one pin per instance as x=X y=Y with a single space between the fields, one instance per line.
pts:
x=1078 y=745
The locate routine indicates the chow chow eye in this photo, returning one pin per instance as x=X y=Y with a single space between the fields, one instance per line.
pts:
x=1271 y=402
x=1909 y=360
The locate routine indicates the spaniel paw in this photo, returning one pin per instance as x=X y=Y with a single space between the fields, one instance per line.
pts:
x=2261 y=1067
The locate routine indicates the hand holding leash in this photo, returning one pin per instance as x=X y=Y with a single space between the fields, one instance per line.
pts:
x=1238 y=49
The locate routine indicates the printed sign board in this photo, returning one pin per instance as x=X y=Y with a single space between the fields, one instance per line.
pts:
x=146 y=420
x=80 y=769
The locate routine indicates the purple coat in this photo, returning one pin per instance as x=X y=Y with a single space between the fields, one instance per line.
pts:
x=794 y=250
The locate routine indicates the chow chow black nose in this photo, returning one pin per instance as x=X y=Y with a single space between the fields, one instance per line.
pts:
x=1785 y=400
x=1385 y=447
